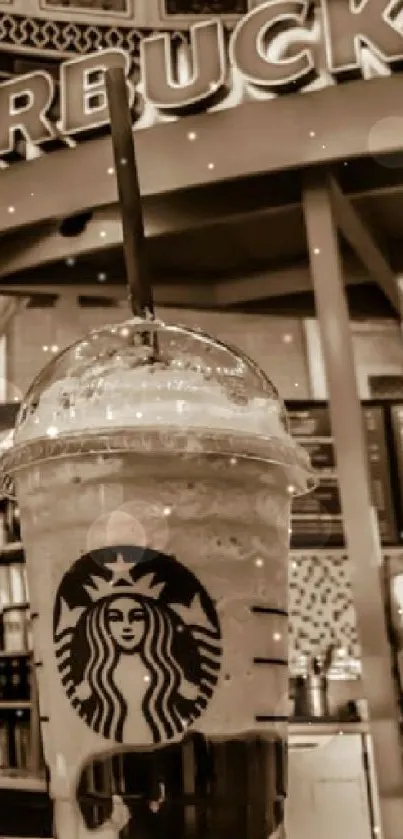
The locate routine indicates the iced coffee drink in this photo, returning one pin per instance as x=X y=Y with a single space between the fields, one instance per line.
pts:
x=154 y=473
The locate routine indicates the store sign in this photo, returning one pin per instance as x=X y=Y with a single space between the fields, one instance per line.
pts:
x=275 y=48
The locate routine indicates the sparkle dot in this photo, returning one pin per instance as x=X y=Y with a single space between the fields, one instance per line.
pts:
x=146 y=678
x=103 y=234
x=32 y=194
x=211 y=166
x=233 y=461
x=123 y=161
x=110 y=170
x=167 y=511
x=45 y=347
x=139 y=415
x=312 y=134
x=54 y=348
x=291 y=489
x=70 y=261
x=296 y=384
x=52 y=431
x=259 y=563
x=11 y=209
x=323 y=147
x=345 y=163
x=101 y=277
x=125 y=332
x=277 y=636
x=192 y=135
x=316 y=251
x=287 y=338
x=295 y=564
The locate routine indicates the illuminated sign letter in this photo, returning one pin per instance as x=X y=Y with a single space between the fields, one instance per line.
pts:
x=24 y=103
x=208 y=61
x=257 y=31
x=83 y=102
x=348 y=26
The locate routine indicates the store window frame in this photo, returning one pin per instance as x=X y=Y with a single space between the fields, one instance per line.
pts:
x=85 y=11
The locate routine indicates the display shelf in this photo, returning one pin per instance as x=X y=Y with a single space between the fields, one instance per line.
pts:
x=11 y=547
x=12 y=554
x=15 y=705
x=13 y=654
x=12 y=779
x=394 y=550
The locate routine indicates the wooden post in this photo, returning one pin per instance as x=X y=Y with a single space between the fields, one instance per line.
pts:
x=360 y=521
x=35 y=729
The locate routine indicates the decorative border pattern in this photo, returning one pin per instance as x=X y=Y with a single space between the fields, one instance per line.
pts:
x=61 y=39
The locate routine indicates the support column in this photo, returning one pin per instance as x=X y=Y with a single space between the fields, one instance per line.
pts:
x=360 y=520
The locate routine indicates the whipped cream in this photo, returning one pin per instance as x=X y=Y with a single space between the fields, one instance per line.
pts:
x=146 y=397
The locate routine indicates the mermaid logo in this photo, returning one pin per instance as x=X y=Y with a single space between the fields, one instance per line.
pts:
x=137 y=643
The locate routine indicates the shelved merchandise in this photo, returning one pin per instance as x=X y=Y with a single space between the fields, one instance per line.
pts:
x=317 y=519
x=21 y=763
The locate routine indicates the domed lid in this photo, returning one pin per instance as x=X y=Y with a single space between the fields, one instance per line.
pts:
x=137 y=376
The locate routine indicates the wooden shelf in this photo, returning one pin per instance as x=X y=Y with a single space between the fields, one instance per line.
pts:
x=15 y=705
x=13 y=552
x=10 y=779
x=12 y=547
x=11 y=654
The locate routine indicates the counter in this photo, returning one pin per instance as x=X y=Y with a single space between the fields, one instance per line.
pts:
x=323 y=727
x=332 y=788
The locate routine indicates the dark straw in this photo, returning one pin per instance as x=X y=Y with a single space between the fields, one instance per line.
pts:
x=134 y=242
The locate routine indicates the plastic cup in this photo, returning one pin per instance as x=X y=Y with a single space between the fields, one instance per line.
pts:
x=155 y=493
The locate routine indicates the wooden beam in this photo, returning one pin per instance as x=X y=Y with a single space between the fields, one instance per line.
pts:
x=190 y=295
x=359 y=515
x=280 y=133
x=262 y=285
x=361 y=240
x=44 y=244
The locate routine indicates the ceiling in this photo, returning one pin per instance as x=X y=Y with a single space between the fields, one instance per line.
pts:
x=248 y=234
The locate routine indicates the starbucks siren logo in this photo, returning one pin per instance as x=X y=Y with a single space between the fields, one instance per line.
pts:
x=137 y=643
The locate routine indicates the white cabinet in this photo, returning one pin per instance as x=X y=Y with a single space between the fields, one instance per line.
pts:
x=327 y=791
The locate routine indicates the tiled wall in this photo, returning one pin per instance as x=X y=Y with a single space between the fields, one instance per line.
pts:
x=321 y=605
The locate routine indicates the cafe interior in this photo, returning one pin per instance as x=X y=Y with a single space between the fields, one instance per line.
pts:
x=276 y=226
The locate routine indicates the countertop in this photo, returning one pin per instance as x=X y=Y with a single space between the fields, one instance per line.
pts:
x=327 y=727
